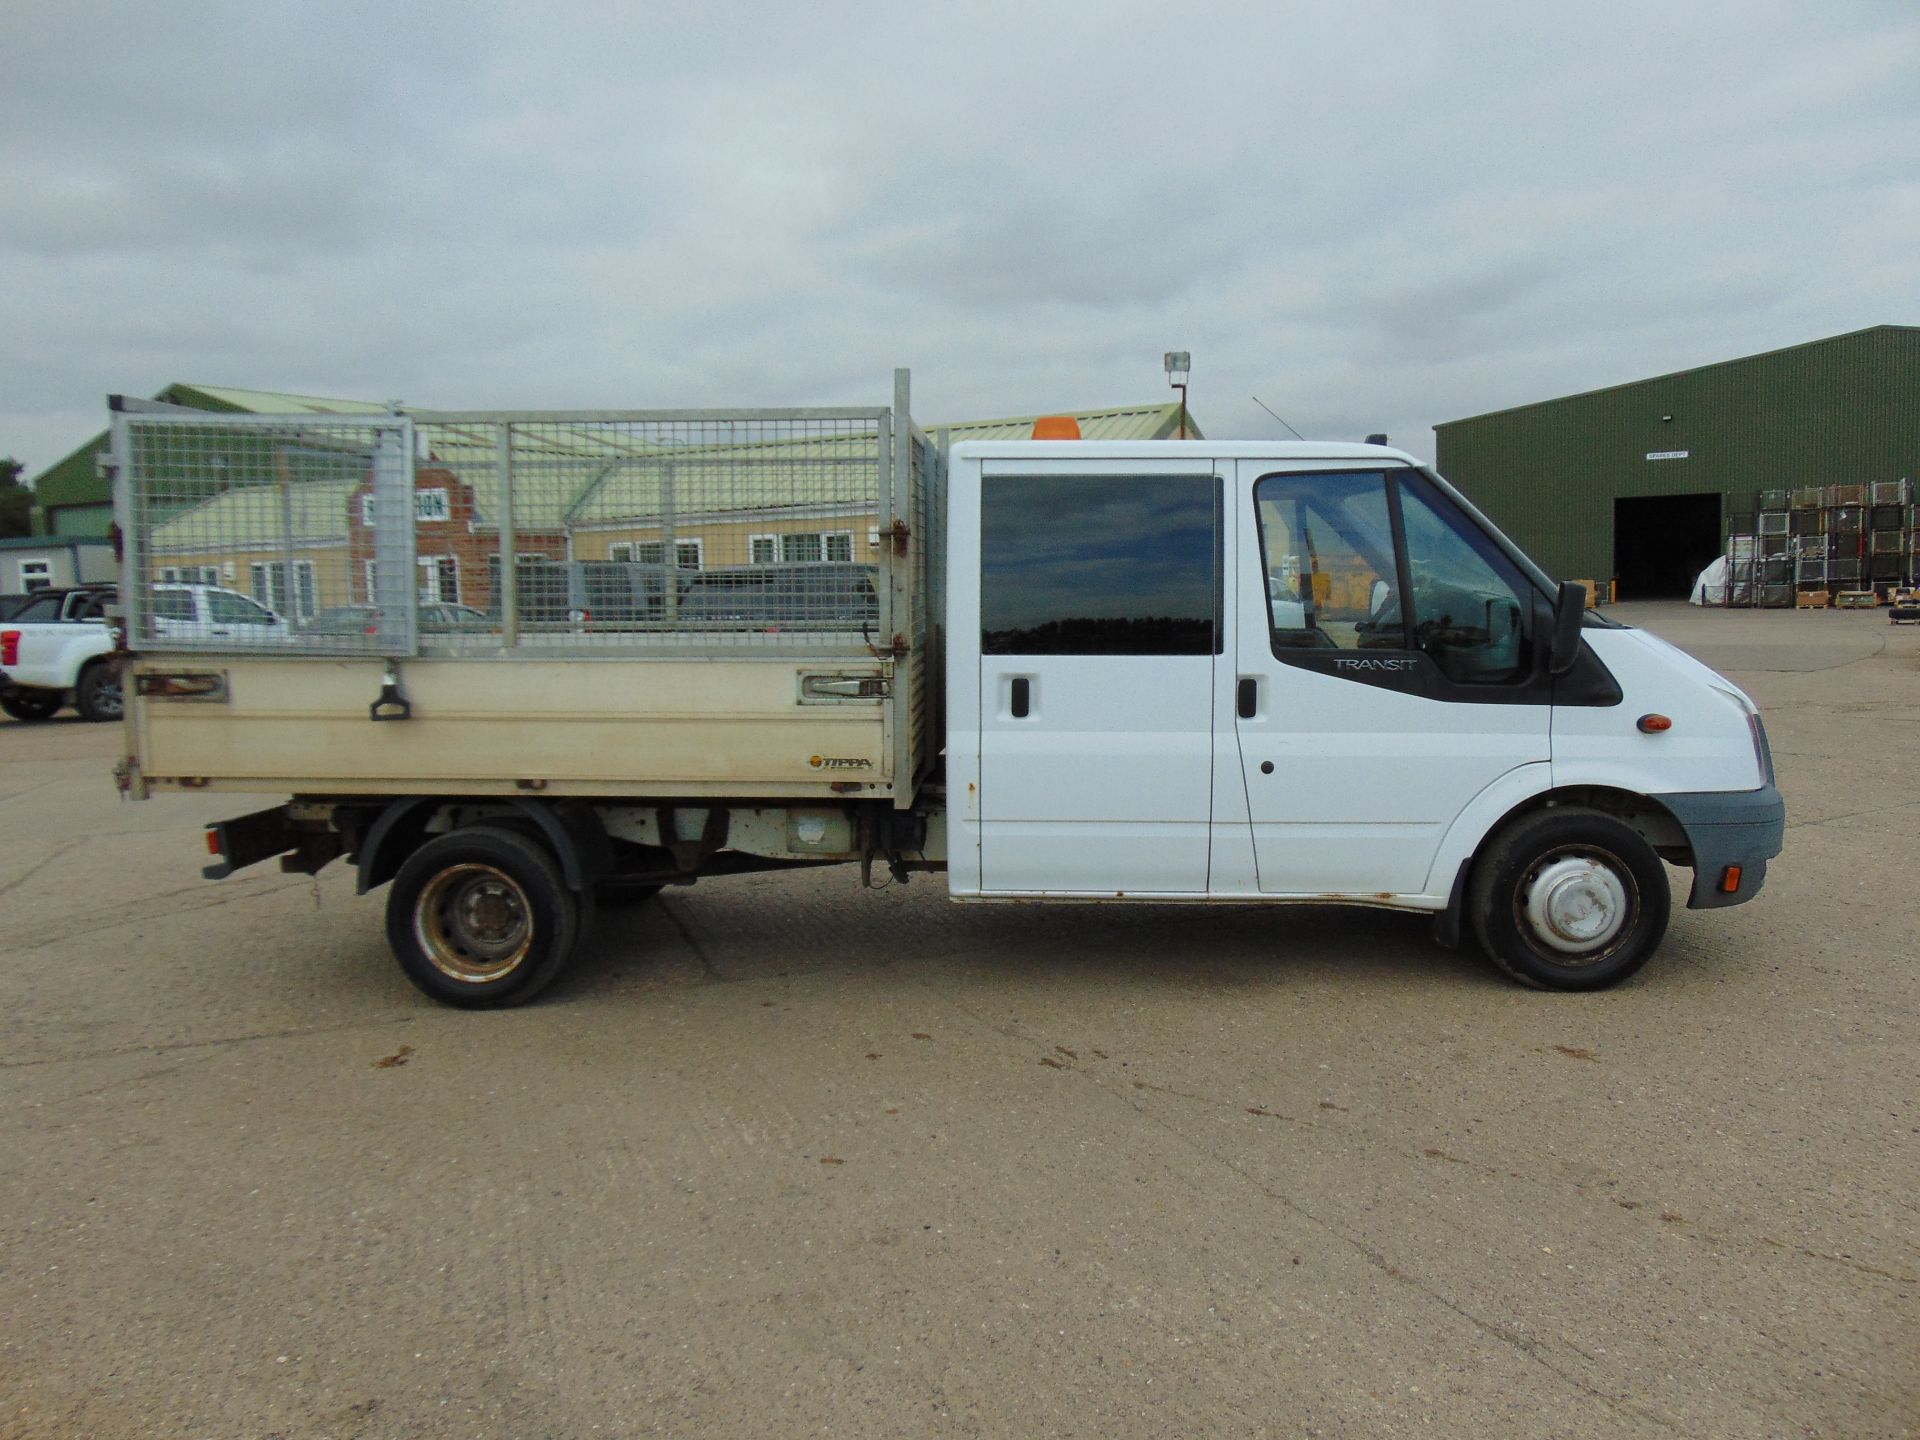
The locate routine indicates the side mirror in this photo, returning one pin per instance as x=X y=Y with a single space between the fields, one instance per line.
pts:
x=1569 y=610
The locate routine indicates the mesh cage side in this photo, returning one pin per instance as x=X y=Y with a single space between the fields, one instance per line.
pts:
x=242 y=534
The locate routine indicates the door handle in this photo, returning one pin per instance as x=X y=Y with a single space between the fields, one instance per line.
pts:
x=1249 y=704
x=1022 y=697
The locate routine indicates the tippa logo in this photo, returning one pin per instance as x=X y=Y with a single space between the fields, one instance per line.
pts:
x=829 y=762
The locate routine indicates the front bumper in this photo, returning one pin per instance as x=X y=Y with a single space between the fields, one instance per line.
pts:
x=1725 y=828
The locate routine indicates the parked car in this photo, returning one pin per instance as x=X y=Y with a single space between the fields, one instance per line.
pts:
x=435 y=615
x=209 y=612
x=832 y=596
x=56 y=648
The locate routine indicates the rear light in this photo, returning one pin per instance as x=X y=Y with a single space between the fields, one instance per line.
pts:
x=213 y=841
x=9 y=647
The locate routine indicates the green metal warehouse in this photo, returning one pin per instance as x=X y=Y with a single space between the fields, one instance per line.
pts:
x=1641 y=483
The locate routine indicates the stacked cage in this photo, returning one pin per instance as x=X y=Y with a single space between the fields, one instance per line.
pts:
x=1815 y=542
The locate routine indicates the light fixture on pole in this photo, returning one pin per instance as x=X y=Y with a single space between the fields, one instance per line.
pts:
x=1179 y=363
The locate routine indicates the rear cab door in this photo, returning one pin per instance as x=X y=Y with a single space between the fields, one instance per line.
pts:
x=1088 y=667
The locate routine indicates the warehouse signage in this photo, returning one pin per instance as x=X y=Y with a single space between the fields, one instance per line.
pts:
x=1668 y=454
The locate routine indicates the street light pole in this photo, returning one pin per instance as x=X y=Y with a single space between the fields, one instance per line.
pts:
x=1178 y=364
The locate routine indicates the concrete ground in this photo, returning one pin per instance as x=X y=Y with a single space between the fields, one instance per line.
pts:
x=779 y=1158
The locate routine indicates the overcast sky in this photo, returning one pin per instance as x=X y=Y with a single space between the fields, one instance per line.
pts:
x=1371 y=216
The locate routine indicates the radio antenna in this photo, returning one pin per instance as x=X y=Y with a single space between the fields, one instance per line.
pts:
x=1276 y=415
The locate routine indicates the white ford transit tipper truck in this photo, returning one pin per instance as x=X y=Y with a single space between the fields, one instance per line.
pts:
x=1181 y=671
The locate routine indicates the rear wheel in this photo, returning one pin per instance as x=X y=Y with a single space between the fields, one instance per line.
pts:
x=481 y=918
x=30 y=704
x=1569 y=899
x=98 y=696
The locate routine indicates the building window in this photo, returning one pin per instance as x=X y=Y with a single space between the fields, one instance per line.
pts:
x=269 y=586
x=654 y=552
x=35 y=575
x=808 y=547
x=439 y=578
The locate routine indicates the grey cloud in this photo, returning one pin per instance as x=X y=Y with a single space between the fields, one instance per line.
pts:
x=1373 y=216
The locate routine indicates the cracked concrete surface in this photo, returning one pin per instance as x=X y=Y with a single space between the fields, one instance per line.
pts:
x=779 y=1158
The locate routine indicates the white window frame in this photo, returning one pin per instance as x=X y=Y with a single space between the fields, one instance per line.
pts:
x=621 y=550
x=639 y=549
x=433 y=569
x=36 y=575
x=788 y=541
x=302 y=603
x=823 y=542
x=772 y=543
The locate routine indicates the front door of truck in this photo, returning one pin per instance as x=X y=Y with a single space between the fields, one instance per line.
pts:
x=1386 y=675
x=1101 y=644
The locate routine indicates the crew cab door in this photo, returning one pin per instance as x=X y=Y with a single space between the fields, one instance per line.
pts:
x=1386 y=674
x=1100 y=669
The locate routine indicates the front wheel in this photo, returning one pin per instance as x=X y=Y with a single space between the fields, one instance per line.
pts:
x=30 y=704
x=481 y=918
x=1569 y=899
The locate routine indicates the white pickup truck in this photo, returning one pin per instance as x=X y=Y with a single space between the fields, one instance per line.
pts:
x=60 y=646
x=1089 y=670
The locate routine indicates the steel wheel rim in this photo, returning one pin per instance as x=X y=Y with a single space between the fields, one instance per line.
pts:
x=1575 y=906
x=474 y=923
x=110 y=699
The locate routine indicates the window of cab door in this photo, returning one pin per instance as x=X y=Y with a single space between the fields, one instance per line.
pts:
x=1100 y=565
x=1342 y=548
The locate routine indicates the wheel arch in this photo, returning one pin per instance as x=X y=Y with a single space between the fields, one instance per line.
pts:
x=1511 y=799
x=572 y=831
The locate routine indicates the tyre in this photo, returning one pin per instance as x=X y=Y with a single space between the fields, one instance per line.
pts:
x=30 y=704
x=1569 y=899
x=98 y=696
x=481 y=918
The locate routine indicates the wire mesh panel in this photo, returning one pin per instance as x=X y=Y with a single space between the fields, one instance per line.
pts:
x=756 y=531
x=717 y=532
x=240 y=532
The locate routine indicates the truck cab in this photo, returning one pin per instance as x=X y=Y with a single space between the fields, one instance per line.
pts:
x=1314 y=672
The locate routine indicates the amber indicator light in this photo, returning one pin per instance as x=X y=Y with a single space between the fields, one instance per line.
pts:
x=1655 y=724
x=1730 y=881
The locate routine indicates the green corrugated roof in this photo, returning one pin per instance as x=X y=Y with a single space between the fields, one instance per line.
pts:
x=233 y=400
x=1125 y=422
